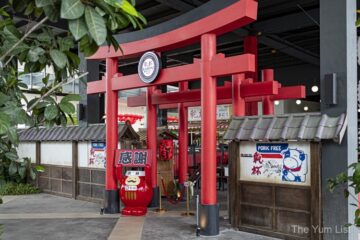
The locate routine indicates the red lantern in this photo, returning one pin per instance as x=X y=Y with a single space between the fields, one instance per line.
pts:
x=166 y=149
x=132 y=118
x=172 y=119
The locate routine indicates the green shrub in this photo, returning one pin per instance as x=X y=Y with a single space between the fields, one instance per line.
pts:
x=18 y=189
x=18 y=171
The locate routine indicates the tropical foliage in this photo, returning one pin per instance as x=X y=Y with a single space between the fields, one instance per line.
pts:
x=18 y=189
x=91 y=23
x=346 y=181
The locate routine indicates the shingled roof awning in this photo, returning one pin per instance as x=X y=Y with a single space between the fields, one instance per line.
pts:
x=163 y=132
x=95 y=132
x=290 y=127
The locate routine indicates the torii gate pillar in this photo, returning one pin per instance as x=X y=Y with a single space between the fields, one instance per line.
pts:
x=151 y=136
x=209 y=210
x=268 y=104
x=111 y=189
x=183 y=138
x=237 y=101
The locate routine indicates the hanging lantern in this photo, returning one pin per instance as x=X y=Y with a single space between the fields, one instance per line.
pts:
x=166 y=149
x=132 y=118
x=172 y=119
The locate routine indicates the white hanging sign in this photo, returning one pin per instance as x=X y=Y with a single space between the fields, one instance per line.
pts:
x=97 y=157
x=222 y=113
x=283 y=163
x=149 y=67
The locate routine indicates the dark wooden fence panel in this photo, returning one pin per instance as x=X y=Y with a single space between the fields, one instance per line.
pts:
x=89 y=183
x=56 y=180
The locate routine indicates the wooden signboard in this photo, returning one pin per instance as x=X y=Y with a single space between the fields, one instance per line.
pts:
x=282 y=163
x=275 y=188
x=132 y=158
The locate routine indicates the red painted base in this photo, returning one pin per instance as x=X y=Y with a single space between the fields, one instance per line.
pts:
x=134 y=211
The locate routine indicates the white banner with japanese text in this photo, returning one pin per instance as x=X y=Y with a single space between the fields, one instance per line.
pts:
x=222 y=113
x=284 y=163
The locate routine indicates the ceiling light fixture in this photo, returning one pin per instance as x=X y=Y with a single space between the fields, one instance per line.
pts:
x=315 y=89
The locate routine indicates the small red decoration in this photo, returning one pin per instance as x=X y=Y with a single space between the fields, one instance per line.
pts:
x=132 y=118
x=166 y=149
x=172 y=119
x=135 y=190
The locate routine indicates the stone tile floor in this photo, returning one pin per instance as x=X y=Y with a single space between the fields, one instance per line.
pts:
x=172 y=226
x=44 y=216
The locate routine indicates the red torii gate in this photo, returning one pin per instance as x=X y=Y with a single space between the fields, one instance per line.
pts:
x=239 y=92
x=208 y=68
x=269 y=90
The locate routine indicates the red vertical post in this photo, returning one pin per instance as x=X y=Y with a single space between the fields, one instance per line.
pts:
x=111 y=189
x=238 y=103
x=268 y=104
x=209 y=211
x=183 y=137
x=151 y=134
x=250 y=46
x=151 y=137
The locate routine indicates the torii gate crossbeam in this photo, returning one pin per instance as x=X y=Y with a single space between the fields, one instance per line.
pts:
x=249 y=92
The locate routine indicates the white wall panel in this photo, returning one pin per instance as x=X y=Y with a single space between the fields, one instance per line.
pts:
x=56 y=153
x=83 y=154
x=27 y=149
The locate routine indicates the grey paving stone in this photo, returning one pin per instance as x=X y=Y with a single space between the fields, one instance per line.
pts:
x=57 y=229
x=46 y=203
x=183 y=228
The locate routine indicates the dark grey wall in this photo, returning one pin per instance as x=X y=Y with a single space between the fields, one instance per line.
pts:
x=306 y=74
x=94 y=104
x=338 y=55
x=290 y=106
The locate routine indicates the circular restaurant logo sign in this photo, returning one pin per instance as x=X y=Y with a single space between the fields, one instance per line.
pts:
x=149 y=67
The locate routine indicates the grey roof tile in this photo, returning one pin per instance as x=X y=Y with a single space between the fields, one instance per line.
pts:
x=293 y=127
x=95 y=132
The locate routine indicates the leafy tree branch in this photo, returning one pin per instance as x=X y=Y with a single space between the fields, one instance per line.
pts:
x=23 y=38
x=91 y=23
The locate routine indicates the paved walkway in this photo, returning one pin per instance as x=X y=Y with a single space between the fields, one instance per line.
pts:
x=44 y=216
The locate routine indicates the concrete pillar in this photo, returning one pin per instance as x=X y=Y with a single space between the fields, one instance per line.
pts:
x=94 y=113
x=338 y=55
